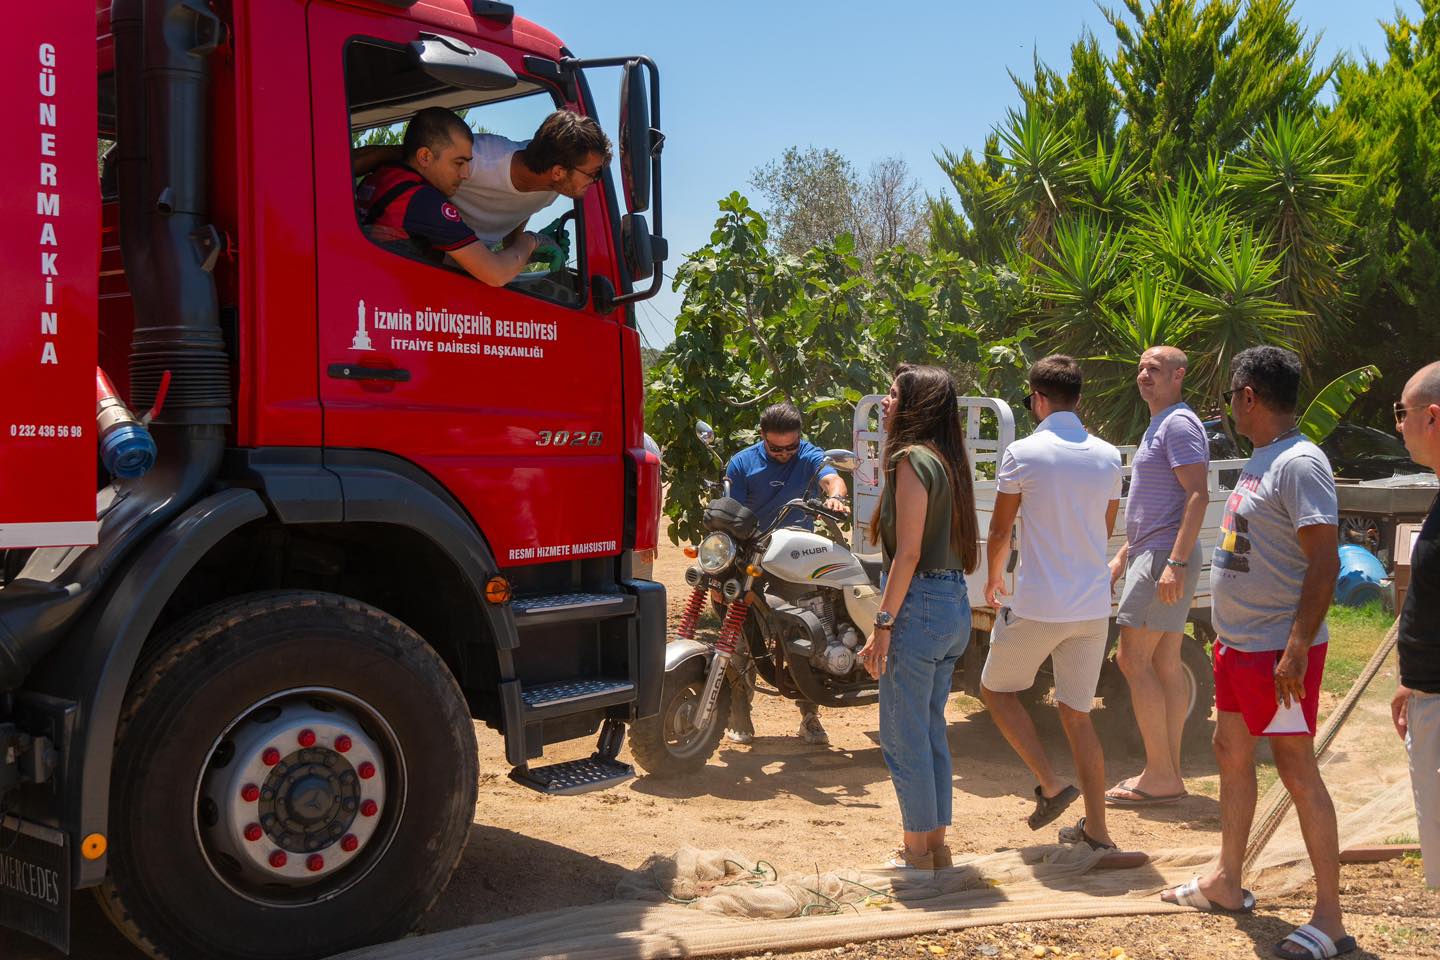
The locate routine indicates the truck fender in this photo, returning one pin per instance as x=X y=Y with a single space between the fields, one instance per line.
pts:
x=679 y=652
x=96 y=675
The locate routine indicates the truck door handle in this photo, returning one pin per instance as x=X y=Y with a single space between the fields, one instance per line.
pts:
x=350 y=371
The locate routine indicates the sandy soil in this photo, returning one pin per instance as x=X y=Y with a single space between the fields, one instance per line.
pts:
x=800 y=806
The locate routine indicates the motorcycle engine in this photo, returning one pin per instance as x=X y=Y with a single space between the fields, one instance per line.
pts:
x=842 y=639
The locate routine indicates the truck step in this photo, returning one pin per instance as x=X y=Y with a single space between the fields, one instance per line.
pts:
x=568 y=607
x=574 y=776
x=573 y=696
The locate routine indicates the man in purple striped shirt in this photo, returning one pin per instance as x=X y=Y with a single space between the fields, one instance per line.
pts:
x=1160 y=562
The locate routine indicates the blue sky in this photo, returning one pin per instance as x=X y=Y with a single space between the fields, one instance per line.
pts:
x=742 y=80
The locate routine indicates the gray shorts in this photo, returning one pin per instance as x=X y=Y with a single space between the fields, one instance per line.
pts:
x=1139 y=604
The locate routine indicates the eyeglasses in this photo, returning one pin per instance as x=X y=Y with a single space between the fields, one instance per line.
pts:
x=1227 y=394
x=791 y=448
x=592 y=177
x=1029 y=396
x=1401 y=410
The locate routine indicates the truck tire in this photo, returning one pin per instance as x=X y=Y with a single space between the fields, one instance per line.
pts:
x=1117 y=721
x=668 y=744
x=295 y=775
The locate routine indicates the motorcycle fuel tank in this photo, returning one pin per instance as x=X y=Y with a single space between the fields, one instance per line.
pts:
x=799 y=556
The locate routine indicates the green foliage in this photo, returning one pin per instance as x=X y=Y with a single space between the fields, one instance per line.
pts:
x=1331 y=403
x=758 y=326
x=1386 y=119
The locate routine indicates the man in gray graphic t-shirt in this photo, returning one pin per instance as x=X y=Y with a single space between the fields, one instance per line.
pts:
x=1272 y=578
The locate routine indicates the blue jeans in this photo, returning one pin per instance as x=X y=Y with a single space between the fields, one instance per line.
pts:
x=929 y=636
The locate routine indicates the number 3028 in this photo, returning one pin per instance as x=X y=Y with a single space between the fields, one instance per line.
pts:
x=566 y=438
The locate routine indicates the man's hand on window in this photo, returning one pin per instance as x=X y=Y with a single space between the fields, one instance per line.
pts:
x=554 y=244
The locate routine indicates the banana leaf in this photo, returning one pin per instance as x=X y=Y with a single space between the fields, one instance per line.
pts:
x=1330 y=404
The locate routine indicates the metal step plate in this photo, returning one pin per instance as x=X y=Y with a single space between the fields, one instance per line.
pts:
x=574 y=776
x=559 y=607
x=568 y=691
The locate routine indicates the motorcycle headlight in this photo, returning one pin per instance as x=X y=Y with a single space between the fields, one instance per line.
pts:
x=717 y=551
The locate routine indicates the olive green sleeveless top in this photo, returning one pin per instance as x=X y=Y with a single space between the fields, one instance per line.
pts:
x=936 y=553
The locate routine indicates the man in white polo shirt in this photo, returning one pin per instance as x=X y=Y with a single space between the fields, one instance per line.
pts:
x=1065 y=483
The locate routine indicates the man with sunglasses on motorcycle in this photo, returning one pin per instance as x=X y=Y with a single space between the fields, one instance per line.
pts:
x=764 y=477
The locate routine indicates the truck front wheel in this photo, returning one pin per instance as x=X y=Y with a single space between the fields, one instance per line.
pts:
x=295 y=775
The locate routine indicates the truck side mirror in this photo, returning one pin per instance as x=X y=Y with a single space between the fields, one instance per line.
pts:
x=641 y=248
x=457 y=64
x=635 y=141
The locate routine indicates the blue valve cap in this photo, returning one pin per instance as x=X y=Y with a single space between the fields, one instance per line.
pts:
x=128 y=451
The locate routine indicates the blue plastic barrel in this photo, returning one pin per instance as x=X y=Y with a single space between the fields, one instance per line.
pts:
x=1360 y=577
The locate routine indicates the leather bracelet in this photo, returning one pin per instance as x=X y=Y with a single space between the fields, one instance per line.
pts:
x=1172 y=562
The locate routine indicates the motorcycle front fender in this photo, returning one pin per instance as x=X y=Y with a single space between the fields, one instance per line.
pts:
x=680 y=652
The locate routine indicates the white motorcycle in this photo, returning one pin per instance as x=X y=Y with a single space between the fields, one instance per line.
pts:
x=797 y=605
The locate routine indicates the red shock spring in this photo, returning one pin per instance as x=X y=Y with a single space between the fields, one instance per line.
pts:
x=730 y=629
x=691 y=616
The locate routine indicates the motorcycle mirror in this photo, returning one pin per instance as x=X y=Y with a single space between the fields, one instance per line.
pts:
x=705 y=432
x=842 y=459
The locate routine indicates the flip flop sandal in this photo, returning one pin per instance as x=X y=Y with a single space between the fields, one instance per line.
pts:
x=1188 y=895
x=1048 y=809
x=1313 y=944
x=1142 y=799
x=1077 y=834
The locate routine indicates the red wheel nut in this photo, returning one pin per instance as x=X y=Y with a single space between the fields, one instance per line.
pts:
x=249 y=793
x=314 y=863
x=253 y=832
x=278 y=859
x=306 y=738
x=270 y=757
x=349 y=843
x=369 y=808
x=367 y=770
x=343 y=744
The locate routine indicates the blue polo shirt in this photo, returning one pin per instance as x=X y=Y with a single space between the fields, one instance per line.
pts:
x=764 y=486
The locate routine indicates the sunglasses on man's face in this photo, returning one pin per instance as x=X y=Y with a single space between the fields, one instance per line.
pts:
x=1401 y=410
x=1030 y=396
x=791 y=448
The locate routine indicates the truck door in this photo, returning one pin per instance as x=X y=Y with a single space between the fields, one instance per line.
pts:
x=510 y=397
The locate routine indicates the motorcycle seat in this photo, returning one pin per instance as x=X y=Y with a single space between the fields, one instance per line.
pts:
x=871 y=565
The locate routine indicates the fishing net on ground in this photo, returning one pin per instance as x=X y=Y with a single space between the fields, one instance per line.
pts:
x=721 y=902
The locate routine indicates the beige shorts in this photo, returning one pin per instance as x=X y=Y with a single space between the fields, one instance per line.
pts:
x=1076 y=650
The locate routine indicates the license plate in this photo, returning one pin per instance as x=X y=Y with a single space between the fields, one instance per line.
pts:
x=35 y=881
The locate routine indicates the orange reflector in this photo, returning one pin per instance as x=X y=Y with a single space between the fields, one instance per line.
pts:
x=497 y=590
x=754 y=570
x=93 y=846
x=691 y=552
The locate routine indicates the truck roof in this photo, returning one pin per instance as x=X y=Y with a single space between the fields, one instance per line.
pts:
x=444 y=14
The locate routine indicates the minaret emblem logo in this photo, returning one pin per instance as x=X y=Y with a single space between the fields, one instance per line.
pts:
x=362 y=337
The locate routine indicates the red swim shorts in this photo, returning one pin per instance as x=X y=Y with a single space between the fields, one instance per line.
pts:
x=1245 y=684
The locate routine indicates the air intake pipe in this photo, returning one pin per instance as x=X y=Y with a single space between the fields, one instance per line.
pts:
x=162 y=78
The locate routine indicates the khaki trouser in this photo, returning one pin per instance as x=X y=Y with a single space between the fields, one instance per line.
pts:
x=1423 y=744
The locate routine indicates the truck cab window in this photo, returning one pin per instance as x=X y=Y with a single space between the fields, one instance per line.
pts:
x=490 y=200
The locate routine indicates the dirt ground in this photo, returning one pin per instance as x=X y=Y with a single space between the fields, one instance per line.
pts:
x=800 y=807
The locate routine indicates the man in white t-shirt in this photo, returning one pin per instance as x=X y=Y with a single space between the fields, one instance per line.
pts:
x=509 y=181
x=1065 y=484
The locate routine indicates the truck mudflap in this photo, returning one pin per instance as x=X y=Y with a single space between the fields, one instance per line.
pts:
x=35 y=881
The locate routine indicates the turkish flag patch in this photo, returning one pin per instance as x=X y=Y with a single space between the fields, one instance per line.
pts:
x=448 y=211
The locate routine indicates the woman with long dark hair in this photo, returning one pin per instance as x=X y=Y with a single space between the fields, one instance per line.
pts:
x=929 y=535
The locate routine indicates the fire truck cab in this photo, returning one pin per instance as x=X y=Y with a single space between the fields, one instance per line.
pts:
x=389 y=504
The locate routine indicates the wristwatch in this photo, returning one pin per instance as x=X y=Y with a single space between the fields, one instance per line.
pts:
x=1172 y=562
x=884 y=620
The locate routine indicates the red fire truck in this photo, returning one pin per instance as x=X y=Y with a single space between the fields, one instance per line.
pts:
x=237 y=691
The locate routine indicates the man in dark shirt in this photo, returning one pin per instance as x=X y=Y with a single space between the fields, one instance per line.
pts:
x=409 y=203
x=1416 y=707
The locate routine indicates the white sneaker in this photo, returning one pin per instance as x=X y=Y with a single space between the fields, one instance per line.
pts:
x=739 y=736
x=813 y=732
